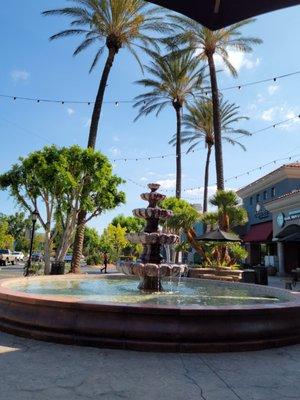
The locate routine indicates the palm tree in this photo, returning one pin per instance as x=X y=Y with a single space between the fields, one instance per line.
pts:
x=110 y=24
x=230 y=212
x=199 y=125
x=175 y=79
x=207 y=44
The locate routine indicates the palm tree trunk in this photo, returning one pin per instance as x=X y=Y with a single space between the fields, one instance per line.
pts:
x=217 y=123
x=99 y=99
x=206 y=178
x=79 y=236
x=78 y=243
x=178 y=150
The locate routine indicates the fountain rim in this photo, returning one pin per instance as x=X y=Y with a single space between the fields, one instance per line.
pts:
x=7 y=294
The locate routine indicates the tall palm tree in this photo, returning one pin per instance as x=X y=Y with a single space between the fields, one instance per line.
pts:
x=112 y=25
x=207 y=44
x=174 y=79
x=199 y=126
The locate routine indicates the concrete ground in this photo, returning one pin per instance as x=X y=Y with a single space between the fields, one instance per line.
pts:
x=36 y=370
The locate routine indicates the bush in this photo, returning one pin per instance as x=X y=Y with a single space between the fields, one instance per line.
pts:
x=36 y=268
x=94 y=259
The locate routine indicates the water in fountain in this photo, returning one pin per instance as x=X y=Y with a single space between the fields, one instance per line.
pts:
x=151 y=270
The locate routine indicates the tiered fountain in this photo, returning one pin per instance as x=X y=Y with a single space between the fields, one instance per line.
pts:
x=151 y=270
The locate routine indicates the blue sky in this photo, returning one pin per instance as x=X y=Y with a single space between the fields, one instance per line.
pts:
x=33 y=66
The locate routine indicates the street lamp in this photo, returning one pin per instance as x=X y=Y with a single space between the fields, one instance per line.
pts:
x=34 y=217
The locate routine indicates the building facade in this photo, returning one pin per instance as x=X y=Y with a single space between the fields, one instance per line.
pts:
x=273 y=206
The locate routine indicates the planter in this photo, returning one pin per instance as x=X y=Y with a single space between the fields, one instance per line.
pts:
x=58 y=268
x=215 y=273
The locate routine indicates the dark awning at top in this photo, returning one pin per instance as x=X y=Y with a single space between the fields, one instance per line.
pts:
x=219 y=236
x=289 y=234
x=259 y=233
x=216 y=14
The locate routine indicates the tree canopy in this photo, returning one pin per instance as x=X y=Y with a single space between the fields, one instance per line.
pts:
x=51 y=181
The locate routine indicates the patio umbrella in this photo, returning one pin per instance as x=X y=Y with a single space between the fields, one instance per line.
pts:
x=216 y=14
x=219 y=236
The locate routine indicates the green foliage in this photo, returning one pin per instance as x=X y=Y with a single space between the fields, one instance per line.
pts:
x=6 y=240
x=52 y=180
x=113 y=241
x=199 y=126
x=205 y=42
x=174 y=80
x=230 y=213
x=36 y=268
x=131 y=224
x=185 y=216
x=112 y=23
x=237 y=252
x=94 y=259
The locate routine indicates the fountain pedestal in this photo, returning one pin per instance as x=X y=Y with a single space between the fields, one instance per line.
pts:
x=150 y=270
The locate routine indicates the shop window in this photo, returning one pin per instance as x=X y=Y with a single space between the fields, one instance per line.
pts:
x=265 y=195
x=273 y=192
x=257 y=198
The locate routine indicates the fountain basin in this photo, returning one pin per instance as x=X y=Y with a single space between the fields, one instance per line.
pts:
x=112 y=313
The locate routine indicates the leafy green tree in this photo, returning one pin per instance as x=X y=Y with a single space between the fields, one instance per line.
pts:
x=199 y=126
x=184 y=219
x=6 y=240
x=131 y=224
x=207 y=45
x=51 y=181
x=174 y=80
x=113 y=241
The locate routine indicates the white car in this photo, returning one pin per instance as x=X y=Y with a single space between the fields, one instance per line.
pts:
x=19 y=256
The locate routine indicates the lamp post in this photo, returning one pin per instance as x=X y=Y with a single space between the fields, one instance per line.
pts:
x=34 y=217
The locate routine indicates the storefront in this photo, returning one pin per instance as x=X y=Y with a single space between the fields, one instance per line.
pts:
x=273 y=204
x=286 y=230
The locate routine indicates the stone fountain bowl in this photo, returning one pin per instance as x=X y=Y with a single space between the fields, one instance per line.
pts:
x=29 y=309
x=152 y=238
x=150 y=212
x=153 y=196
x=151 y=270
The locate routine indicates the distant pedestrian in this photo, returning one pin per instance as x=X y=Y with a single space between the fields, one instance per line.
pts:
x=105 y=263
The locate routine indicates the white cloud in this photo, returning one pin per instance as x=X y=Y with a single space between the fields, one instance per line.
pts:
x=269 y=114
x=144 y=179
x=18 y=75
x=199 y=192
x=272 y=89
x=70 y=111
x=116 y=139
x=239 y=60
x=167 y=183
x=283 y=112
x=115 y=151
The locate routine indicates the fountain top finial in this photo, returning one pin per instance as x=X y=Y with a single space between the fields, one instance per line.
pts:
x=153 y=186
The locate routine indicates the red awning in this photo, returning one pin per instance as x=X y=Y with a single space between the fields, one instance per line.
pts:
x=259 y=233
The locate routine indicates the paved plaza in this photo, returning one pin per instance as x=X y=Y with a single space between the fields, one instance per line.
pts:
x=36 y=370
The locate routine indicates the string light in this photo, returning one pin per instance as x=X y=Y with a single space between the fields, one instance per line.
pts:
x=117 y=102
x=163 y=156
x=236 y=177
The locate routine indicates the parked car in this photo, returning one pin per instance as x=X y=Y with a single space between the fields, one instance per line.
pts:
x=37 y=257
x=68 y=258
x=6 y=256
x=19 y=256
